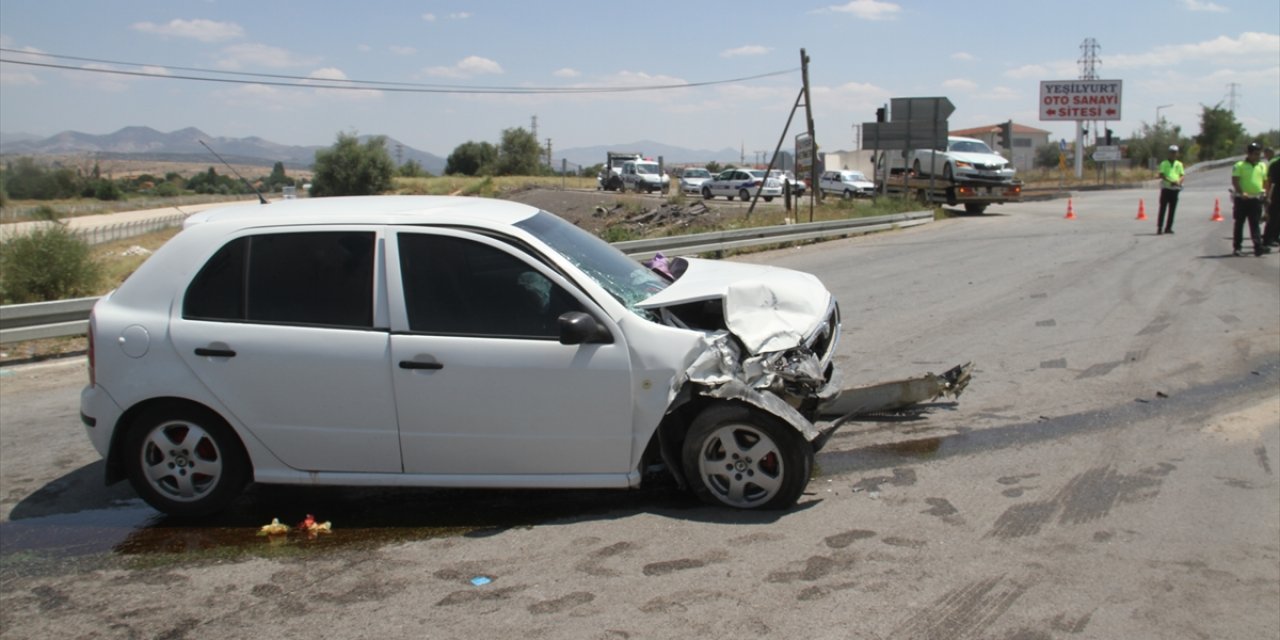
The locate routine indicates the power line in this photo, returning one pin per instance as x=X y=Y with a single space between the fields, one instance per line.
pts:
x=304 y=82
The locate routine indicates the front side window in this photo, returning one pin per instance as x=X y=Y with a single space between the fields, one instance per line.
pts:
x=628 y=281
x=455 y=286
x=313 y=278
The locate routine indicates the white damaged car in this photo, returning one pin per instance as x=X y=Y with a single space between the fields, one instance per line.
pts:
x=451 y=342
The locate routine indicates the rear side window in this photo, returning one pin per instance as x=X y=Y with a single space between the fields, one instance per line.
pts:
x=315 y=278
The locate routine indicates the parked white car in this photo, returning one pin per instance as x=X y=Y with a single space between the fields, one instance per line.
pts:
x=798 y=186
x=846 y=184
x=742 y=184
x=644 y=175
x=450 y=342
x=964 y=159
x=691 y=179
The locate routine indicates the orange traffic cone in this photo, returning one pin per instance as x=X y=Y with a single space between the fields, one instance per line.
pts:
x=1217 y=212
x=1071 y=214
x=1142 y=210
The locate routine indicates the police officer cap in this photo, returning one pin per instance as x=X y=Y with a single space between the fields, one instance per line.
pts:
x=1173 y=148
x=1253 y=146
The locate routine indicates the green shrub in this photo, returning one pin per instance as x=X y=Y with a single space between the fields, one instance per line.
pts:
x=49 y=263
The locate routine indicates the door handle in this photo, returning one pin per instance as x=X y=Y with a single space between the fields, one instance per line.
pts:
x=216 y=353
x=414 y=364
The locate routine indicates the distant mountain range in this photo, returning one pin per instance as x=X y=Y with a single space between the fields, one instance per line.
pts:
x=145 y=143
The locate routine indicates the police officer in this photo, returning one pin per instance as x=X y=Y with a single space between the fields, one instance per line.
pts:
x=1271 y=232
x=1247 y=178
x=1171 y=173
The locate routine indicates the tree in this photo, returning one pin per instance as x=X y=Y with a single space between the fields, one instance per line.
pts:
x=278 y=178
x=1221 y=135
x=412 y=169
x=1150 y=144
x=519 y=154
x=470 y=158
x=349 y=168
x=714 y=167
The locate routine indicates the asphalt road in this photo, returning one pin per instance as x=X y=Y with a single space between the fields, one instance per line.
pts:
x=1110 y=473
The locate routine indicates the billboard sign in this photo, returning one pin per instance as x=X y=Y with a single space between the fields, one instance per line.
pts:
x=1080 y=99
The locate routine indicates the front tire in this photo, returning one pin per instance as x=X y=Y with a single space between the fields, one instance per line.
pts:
x=741 y=457
x=185 y=461
x=706 y=194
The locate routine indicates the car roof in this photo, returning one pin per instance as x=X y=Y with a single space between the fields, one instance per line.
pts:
x=370 y=210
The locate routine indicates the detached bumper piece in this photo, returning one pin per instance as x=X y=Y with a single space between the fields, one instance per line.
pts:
x=895 y=395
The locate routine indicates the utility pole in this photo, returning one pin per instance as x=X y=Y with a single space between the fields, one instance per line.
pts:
x=1089 y=64
x=548 y=152
x=534 y=130
x=808 y=122
x=1231 y=96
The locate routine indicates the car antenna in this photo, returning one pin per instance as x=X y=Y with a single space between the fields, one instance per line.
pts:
x=233 y=170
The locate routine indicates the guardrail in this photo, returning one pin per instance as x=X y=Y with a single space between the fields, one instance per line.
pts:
x=103 y=233
x=62 y=318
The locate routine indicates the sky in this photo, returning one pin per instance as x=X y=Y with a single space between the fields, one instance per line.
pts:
x=698 y=75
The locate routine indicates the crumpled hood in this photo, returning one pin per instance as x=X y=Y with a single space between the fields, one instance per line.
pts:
x=768 y=308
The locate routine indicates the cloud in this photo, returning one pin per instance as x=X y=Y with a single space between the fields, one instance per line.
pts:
x=466 y=67
x=1251 y=49
x=1197 y=5
x=402 y=50
x=868 y=9
x=460 y=15
x=261 y=56
x=749 y=50
x=960 y=84
x=202 y=30
x=17 y=75
x=333 y=73
x=1028 y=71
x=566 y=73
x=963 y=56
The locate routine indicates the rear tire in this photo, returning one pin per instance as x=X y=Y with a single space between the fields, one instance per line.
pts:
x=738 y=456
x=185 y=461
x=743 y=195
x=974 y=208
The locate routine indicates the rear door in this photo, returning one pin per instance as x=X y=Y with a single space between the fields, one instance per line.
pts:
x=289 y=331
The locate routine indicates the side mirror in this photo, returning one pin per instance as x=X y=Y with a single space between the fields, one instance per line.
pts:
x=577 y=327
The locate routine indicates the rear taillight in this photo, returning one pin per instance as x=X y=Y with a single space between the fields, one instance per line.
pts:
x=92 y=373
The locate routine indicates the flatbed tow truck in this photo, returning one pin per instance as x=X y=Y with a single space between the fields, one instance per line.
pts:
x=974 y=194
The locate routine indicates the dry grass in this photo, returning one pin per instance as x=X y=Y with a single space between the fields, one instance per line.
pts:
x=486 y=186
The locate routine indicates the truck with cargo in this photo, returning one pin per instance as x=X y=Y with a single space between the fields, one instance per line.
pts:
x=974 y=191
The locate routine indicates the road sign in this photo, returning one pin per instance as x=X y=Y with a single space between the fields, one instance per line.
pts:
x=804 y=153
x=1080 y=99
x=936 y=109
x=904 y=135
x=1106 y=154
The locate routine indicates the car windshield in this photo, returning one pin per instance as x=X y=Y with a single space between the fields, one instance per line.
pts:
x=856 y=176
x=625 y=279
x=968 y=146
x=697 y=173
